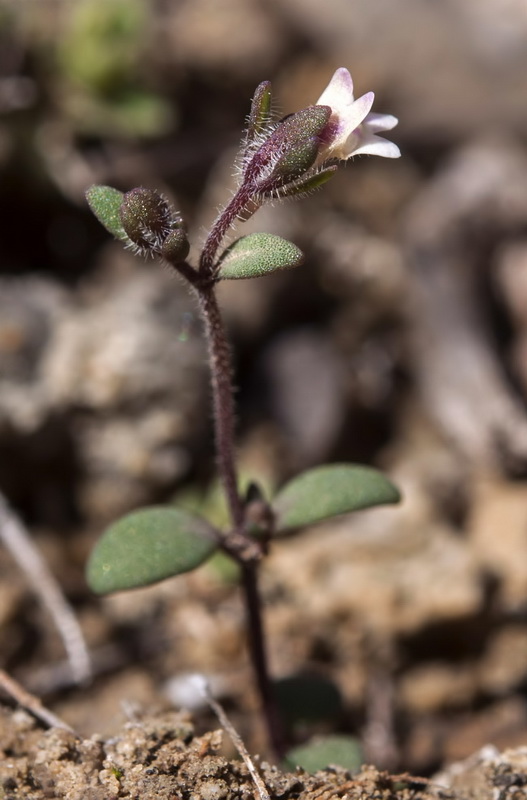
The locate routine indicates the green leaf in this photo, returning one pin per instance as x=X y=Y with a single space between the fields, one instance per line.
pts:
x=328 y=491
x=341 y=751
x=105 y=203
x=147 y=546
x=258 y=254
x=224 y=568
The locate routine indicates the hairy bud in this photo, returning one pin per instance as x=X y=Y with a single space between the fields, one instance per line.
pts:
x=300 y=139
x=175 y=248
x=147 y=219
x=289 y=152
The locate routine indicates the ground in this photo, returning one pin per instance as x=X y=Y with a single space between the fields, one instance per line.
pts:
x=162 y=758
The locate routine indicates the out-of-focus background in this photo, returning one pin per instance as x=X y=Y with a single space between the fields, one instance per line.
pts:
x=401 y=342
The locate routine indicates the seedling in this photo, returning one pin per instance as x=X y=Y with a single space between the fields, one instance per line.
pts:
x=278 y=159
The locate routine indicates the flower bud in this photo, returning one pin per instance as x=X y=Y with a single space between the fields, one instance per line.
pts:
x=175 y=248
x=147 y=218
x=289 y=152
x=298 y=137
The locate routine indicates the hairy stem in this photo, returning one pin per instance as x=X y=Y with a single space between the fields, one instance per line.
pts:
x=246 y=551
x=220 y=228
x=223 y=401
x=184 y=268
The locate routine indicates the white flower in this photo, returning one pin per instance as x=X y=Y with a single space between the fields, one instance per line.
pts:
x=352 y=129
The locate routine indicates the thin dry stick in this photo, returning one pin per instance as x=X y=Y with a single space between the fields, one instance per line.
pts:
x=237 y=740
x=19 y=543
x=379 y=740
x=32 y=703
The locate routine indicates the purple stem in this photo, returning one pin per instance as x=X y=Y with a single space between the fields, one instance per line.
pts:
x=223 y=402
x=259 y=660
x=246 y=551
x=219 y=229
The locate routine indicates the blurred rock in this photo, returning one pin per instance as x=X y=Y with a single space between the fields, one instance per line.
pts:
x=479 y=739
x=504 y=664
x=478 y=198
x=120 y=365
x=306 y=389
x=434 y=687
x=367 y=270
x=511 y=278
x=233 y=35
x=30 y=312
x=497 y=529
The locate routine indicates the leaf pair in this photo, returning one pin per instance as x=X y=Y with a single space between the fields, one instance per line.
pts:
x=158 y=542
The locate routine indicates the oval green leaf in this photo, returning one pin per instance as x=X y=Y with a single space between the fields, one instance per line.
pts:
x=258 y=254
x=105 y=203
x=328 y=491
x=147 y=546
x=340 y=751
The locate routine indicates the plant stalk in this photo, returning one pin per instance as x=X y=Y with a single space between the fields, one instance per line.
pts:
x=223 y=401
x=246 y=551
x=219 y=229
x=259 y=660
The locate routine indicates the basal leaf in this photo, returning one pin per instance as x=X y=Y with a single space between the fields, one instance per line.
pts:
x=105 y=203
x=328 y=491
x=258 y=254
x=341 y=751
x=147 y=546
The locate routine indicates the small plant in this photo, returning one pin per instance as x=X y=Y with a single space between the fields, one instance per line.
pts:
x=280 y=159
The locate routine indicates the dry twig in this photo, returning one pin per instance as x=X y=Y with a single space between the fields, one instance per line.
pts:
x=18 y=541
x=204 y=690
x=31 y=702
